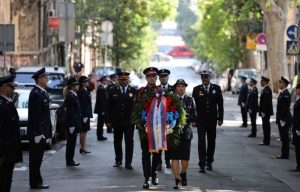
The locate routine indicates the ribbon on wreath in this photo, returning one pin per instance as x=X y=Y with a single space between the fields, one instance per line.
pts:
x=156 y=124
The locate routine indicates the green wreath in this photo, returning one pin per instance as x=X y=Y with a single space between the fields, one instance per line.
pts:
x=172 y=138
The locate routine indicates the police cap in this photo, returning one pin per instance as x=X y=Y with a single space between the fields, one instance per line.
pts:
x=8 y=81
x=285 y=80
x=205 y=73
x=253 y=80
x=72 y=81
x=264 y=78
x=150 y=71
x=180 y=81
x=83 y=79
x=41 y=72
x=123 y=75
x=163 y=72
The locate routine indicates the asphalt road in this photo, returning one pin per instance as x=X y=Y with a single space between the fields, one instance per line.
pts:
x=240 y=163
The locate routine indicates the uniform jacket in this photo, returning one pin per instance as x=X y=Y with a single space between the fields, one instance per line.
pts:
x=101 y=100
x=265 y=103
x=283 y=107
x=209 y=105
x=252 y=101
x=10 y=141
x=243 y=94
x=85 y=101
x=119 y=106
x=73 y=111
x=39 y=122
x=296 y=116
x=142 y=91
x=169 y=89
x=190 y=108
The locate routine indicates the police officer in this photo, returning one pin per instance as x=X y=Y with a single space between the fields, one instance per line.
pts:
x=113 y=83
x=100 y=106
x=284 y=117
x=167 y=88
x=149 y=169
x=265 y=109
x=120 y=102
x=209 y=104
x=39 y=127
x=296 y=129
x=243 y=100
x=85 y=100
x=252 y=105
x=10 y=142
x=73 y=120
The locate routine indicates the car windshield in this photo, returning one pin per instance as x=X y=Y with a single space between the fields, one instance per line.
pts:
x=22 y=101
x=56 y=81
x=101 y=71
x=247 y=73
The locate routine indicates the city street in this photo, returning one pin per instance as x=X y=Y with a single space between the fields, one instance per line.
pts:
x=240 y=163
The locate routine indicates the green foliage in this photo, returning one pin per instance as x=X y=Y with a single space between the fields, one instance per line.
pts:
x=221 y=27
x=131 y=19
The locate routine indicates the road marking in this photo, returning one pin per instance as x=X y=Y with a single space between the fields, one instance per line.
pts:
x=23 y=168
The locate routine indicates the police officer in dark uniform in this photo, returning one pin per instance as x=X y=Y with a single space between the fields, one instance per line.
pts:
x=113 y=83
x=252 y=105
x=85 y=100
x=266 y=109
x=296 y=129
x=100 y=106
x=284 y=117
x=149 y=169
x=243 y=100
x=118 y=115
x=167 y=88
x=39 y=127
x=10 y=141
x=209 y=104
x=73 y=120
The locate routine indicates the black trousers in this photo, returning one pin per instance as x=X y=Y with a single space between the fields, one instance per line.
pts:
x=128 y=132
x=71 y=144
x=253 y=116
x=244 y=116
x=297 y=149
x=206 y=154
x=6 y=174
x=285 y=140
x=149 y=168
x=36 y=153
x=266 y=129
x=100 y=124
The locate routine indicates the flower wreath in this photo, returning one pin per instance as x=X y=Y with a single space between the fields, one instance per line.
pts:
x=174 y=114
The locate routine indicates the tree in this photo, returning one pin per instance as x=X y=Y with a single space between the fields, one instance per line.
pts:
x=275 y=14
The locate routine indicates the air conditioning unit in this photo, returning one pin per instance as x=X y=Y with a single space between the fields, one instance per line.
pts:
x=51 y=13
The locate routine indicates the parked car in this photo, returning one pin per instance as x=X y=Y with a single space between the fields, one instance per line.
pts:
x=181 y=51
x=235 y=81
x=21 y=97
x=56 y=84
x=159 y=56
x=101 y=71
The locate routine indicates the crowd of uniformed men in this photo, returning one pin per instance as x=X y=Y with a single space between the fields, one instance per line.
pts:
x=115 y=101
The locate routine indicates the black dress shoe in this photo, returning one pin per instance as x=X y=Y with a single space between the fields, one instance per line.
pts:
x=41 y=186
x=183 y=179
x=117 y=164
x=209 y=167
x=168 y=165
x=176 y=186
x=154 y=179
x=295 y=170
x=82 y=151
x=281 y=157
x=128 y=166
x=73 y=164
x=202 y=170
x=102 y=138
x=146 y=184
x=252 y=135
x=243 y=126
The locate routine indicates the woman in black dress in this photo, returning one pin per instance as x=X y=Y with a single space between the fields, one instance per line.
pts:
x=85 y=101
x=296 y=128
x=182 y=151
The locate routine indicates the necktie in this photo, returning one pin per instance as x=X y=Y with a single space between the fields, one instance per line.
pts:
x=180 y=98
x=123 y=90
x=206 y=89
x=164 y=88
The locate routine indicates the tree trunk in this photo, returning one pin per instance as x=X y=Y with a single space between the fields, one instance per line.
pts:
x=276 y=20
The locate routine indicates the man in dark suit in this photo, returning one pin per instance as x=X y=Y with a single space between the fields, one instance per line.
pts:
x=39 y=127
x=266 y=109
x=149 y=167
x=112 y=83
x=252 y=105
x=296 y=129
x=100 y=106
x=284 y=117
x=243 y=100
x=73 y=120
x=10 y=141
x=118 y=115
x=209 y=104
x=164 y=85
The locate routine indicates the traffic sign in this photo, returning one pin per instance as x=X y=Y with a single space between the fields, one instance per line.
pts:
x=261 y=39
x=107 y=26
x=292 y=32
x=292 y=48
